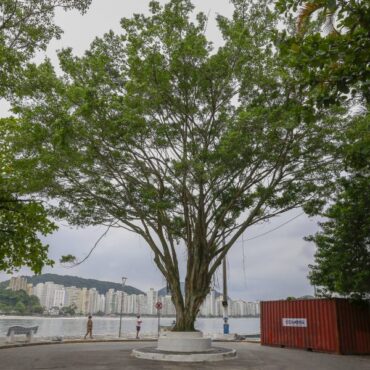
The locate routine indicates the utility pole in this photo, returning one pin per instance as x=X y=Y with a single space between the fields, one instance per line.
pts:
x=224 y=301
x=120 y=316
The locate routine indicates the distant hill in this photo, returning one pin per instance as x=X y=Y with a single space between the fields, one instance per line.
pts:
x=101 y=286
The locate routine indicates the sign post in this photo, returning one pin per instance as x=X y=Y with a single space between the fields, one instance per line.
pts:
x=158 y=306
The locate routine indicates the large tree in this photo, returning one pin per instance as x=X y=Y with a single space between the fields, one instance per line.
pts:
x=330 y=51
x=157 y=132
x=26 y=26
x=342 y=259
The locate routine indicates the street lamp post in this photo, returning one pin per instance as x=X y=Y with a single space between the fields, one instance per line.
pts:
x=120 y=316
x=224 y=299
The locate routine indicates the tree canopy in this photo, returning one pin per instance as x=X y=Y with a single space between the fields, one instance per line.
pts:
x=342 y=259
x=26 y=26
x=22 y=218
x=330 y=47
x=330 y=51
x=157 y=132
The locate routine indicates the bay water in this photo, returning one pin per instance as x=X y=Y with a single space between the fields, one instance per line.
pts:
x=109 y=326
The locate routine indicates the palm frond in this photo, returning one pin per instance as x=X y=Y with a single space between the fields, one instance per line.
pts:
x=305 y=13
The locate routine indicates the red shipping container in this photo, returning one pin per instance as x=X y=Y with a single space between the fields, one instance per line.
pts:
x=327 y=325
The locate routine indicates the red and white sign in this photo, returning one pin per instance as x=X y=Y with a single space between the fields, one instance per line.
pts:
x=158 y=305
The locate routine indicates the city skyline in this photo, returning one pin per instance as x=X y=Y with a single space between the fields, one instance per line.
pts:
x=54 y=297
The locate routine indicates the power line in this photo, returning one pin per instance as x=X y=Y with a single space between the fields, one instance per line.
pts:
x=259 y=236
x=275 y=228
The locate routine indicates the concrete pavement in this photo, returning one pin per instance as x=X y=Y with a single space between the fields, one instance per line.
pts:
x=117 y=355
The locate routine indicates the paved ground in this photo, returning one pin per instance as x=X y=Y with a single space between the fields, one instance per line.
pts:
x=113 y=356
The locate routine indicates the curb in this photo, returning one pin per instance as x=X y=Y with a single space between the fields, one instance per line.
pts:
x=82 y=341
x=77 y=341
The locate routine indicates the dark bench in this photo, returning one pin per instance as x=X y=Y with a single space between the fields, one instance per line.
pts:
x=16 y=330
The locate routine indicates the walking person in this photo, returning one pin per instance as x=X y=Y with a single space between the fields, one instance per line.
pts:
x=138 y=326
x=89 y=327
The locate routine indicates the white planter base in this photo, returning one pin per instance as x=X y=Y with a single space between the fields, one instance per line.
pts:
x=184 y=347
x=176 y=341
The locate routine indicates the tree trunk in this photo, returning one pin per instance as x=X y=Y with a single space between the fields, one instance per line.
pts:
x=197 y=286
x=186 y=315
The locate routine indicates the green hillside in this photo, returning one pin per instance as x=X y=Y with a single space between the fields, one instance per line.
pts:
x=18 y=302
x=101 y=286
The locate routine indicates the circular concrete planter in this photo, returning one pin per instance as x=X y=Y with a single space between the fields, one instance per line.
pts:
x=215 y=354
x=184 y=347
x=177 y=341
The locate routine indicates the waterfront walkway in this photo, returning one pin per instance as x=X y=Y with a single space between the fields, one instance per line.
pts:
x=117 y=355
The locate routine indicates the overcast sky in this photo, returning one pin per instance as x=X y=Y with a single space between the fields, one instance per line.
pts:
x=272 y=266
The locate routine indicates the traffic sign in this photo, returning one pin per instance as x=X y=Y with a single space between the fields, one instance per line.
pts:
x=158 y=305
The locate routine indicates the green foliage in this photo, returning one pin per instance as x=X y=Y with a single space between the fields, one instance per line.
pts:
x=69 y=258
x=333 y=66
x=343 y=254
x=290 y=298
x=22 y=218
x=68 y=310
x=26 y=26
x=18 y=302
x=20 y=224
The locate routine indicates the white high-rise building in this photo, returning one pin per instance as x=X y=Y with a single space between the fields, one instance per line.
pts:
x=168 y=307
x=152 y=299
x=252 y=309
x=38 y=291
x=130 y=304
x=47 y=294
x=109 y=309
x=84 y=301
x=208 y=307
x=59 y=298
x=93 y=301
x=73 y=297
x=141 y=304
x=118 y=299
x=101 y=303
